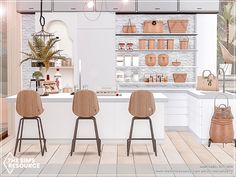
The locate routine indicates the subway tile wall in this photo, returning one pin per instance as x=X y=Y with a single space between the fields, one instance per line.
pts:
x=28 y=28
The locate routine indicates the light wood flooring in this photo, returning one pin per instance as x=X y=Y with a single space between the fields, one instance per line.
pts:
x=180 y=155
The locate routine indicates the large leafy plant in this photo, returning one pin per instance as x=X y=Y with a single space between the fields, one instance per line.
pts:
x=43 y=52
x=228 y=18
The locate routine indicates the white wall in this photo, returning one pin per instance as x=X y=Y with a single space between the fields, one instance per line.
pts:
x=206 y=42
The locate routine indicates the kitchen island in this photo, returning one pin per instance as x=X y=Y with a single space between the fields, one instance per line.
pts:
x=113 y=119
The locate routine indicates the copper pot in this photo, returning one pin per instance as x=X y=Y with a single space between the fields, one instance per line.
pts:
x=163 y=59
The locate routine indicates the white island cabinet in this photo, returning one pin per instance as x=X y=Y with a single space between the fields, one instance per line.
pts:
x=113 y=119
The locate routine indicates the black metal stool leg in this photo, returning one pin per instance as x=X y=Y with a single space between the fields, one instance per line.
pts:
x=74 y=137
x=40 y=138
x=98 y=140
x=44 y=140
x=17 y=137
x=235 y=143
x=153 y=138
x=21 y=133
x=130 y=136
x=209 y=142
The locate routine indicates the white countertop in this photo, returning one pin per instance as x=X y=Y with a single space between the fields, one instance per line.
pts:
x=66 y=97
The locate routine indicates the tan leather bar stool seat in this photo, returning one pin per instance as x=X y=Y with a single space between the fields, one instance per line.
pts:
x=29 y=106
x=141 y=106
x=85 y=106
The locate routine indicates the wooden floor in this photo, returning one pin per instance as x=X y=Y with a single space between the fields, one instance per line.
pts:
x=180 y=155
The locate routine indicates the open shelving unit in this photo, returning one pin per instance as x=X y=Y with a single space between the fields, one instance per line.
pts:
x=186 y=56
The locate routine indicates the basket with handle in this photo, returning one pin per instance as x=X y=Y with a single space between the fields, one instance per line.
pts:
x=129 y=28
x=221 y=129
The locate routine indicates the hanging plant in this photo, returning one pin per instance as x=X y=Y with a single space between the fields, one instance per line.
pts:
x=42 y=52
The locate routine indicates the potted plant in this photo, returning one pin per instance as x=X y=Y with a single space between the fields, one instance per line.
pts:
x=226 y=36
x=43 y=53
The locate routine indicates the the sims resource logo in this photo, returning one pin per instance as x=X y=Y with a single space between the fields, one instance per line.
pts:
x=11 y=163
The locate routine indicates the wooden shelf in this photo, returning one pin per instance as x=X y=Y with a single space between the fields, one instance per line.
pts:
x=154 y=83
x=63 y=67
x=153 y=67
x=156 y=34
x=157 y=50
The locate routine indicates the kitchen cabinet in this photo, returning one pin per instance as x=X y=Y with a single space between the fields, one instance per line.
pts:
x=28 y=6
x=157 y=6
x=115 y=5
x=72 y=5
x=199 y=6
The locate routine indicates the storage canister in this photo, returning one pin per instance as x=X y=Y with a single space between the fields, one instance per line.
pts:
x=161 y=43
x=151 y=44
x=163 y=59
x=170 y=44
x=142 y=44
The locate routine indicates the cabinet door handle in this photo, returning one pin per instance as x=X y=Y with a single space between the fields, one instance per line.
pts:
x=31 y=8
x=115 y=8
x=72 y=8
x=157 y=8
x=199 y=8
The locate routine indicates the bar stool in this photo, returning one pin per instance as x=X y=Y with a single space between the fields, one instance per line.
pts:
x=29 y=106
x=141 y=106
x=85 y=106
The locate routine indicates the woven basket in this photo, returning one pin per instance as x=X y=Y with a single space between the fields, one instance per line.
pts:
x=177 y=26
x=180 y=77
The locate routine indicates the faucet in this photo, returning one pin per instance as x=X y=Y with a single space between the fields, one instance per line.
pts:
x=223 y=71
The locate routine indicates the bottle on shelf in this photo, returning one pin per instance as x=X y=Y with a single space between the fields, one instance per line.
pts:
x=57 y=78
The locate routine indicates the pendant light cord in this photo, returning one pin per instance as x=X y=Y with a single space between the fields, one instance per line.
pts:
x=41 y=19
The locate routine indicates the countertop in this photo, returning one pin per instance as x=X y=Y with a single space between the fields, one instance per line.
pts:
x=66 y=97
x=159 y=96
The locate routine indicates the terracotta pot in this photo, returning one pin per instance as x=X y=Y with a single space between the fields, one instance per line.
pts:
x=163 y=60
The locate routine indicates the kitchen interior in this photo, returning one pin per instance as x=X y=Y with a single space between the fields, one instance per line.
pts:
x=181 y=52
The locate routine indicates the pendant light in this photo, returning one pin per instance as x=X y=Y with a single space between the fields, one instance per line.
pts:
x=45 y=36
